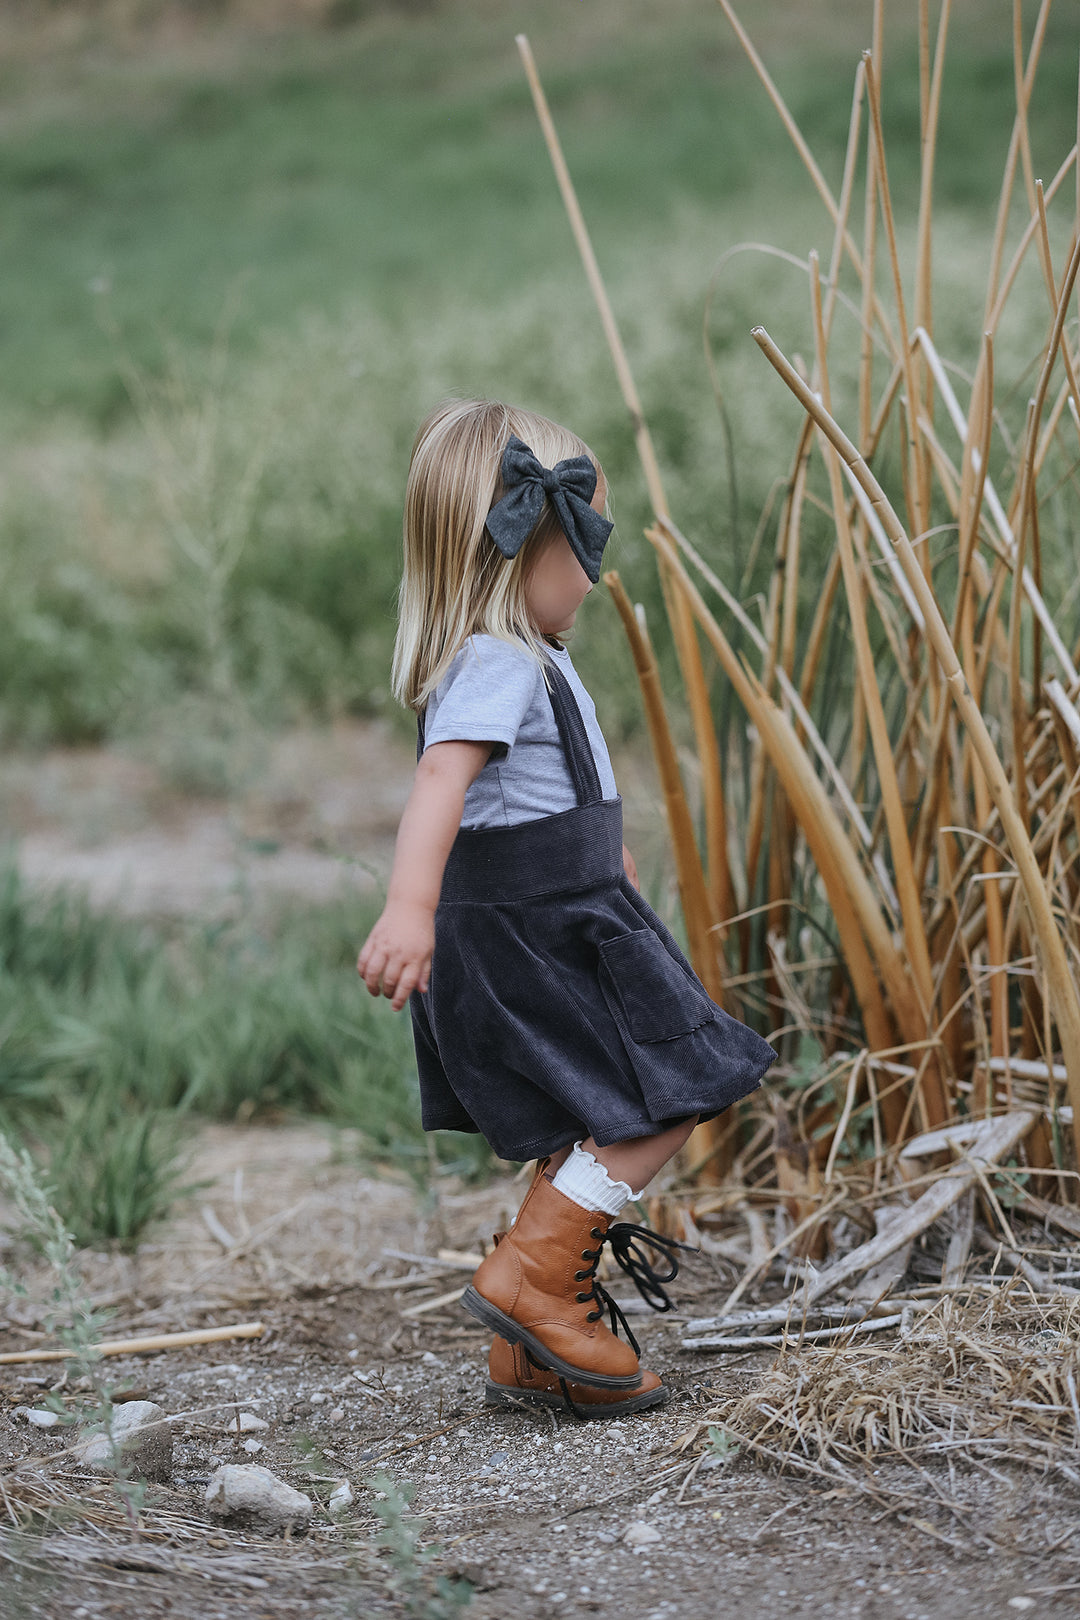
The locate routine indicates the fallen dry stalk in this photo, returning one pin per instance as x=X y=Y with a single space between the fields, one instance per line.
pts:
x=134 y=1347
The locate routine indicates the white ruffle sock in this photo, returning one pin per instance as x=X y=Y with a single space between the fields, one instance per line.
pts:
x=582 y=1178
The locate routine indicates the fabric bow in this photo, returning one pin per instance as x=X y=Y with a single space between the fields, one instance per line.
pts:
x=569 y=485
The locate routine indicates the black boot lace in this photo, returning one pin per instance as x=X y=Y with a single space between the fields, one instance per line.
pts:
x=600 y=1294
x=568 y=1399
x=628 y=1246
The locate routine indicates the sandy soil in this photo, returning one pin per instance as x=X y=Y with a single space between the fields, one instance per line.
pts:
x=531 y=1506
x=318 y=823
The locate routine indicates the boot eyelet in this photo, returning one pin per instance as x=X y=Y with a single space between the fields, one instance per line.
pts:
x=579 y=1276
x=581 y=1299
x=596 y=1233
x=586 y=1254
x=592 y=1316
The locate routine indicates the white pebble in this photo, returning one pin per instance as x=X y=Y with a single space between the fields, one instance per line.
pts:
x=640 y=1534
x=1021 y=1603
x=340 y=1497
x=337 y=1415
x=248 y=1423
x=252 y=1493
x=319 y=1400
x=253 y=1446
x=41 y=1420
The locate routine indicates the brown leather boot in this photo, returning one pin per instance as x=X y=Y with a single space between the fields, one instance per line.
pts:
x=529 y=1290
x=513 y=1378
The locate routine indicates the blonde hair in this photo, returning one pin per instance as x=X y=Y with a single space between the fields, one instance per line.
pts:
x=456 y=583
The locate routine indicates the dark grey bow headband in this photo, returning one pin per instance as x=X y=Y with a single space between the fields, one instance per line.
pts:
x=569 y=485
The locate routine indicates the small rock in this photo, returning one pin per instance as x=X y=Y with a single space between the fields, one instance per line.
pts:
x=340 y=1497
x=139 y=1439
x=38 y=1418
x=498 y=1459
x=251 y=1494
x=253 y=1446
x=319 y=1400
x=337 y=1414
x=248 y=1423
x=430 y=1359
x=639 y=1534
x=1022 y=1603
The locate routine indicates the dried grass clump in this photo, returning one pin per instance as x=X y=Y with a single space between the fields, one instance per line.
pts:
x=930 y=850
x=992 y=1377
x=981 y=1383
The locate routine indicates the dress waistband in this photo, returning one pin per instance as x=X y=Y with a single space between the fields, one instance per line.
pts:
x=552 y=855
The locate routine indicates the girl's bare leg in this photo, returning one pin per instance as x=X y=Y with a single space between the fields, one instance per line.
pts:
x=635 y=1161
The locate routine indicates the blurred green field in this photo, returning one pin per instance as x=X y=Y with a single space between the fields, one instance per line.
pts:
x=239 y=259
x=238 y=263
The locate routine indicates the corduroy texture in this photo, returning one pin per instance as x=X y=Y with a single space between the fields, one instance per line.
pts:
x=559 y=1005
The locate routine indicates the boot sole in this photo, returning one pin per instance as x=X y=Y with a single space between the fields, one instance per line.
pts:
x=509 y=1395
x=514 y=1333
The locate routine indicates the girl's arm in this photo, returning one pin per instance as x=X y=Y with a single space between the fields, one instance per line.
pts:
x=629 y=867
x=396 y=957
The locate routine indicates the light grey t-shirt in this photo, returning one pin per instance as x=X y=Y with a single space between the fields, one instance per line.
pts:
x=495 y=692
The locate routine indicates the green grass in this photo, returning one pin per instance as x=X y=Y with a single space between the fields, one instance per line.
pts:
x=114 y=1033
x=374 y=207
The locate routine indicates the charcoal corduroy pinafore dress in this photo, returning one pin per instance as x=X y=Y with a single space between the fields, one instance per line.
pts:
x=559 y=1006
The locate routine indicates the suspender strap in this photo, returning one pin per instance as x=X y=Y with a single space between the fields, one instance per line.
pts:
x=577 y=749
x=575 y=740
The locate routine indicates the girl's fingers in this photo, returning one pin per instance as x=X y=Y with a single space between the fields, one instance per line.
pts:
x=373 y=970
x=406 y=984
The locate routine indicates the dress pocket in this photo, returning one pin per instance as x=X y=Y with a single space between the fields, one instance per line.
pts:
x=652 y=996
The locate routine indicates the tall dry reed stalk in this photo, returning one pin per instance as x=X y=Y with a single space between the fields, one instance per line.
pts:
x=955 y=905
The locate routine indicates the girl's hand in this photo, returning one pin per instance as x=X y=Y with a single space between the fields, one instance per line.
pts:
x=396 y=957
x=629 y=867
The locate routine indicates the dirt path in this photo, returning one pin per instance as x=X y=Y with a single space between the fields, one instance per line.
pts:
x=531 y=1507
x=318 y=823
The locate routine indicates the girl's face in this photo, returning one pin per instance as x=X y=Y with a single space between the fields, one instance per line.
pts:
x=557 y=584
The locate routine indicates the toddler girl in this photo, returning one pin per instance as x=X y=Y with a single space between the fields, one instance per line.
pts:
x=552 y=1011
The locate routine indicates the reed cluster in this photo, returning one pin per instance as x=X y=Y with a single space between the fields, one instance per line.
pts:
x=915 y=882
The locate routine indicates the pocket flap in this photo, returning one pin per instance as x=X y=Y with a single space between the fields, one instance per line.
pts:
x=657 y=997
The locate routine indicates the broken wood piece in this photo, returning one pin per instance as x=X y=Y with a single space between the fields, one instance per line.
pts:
x=994 y=1139
x=962 y=1228
x=883 y=1277
x=960 y=1135
x=872 y=1324
x=433 y=1304
x=460 y=1259
x=445 y=1260
x=134 y=1347
x=789 y=1311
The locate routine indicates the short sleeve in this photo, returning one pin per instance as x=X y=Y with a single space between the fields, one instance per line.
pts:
x=484 y=696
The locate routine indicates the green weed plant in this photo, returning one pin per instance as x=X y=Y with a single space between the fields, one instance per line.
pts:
x=116 y=1036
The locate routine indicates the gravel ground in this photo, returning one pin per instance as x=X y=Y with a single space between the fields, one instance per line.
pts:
x=539 y=1513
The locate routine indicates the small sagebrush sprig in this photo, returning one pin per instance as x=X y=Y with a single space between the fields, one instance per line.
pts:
x=400 y=1536
x=69 y=1314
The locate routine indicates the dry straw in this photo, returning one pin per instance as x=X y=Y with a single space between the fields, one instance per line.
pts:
x=993 y=1378
x=954 y=899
